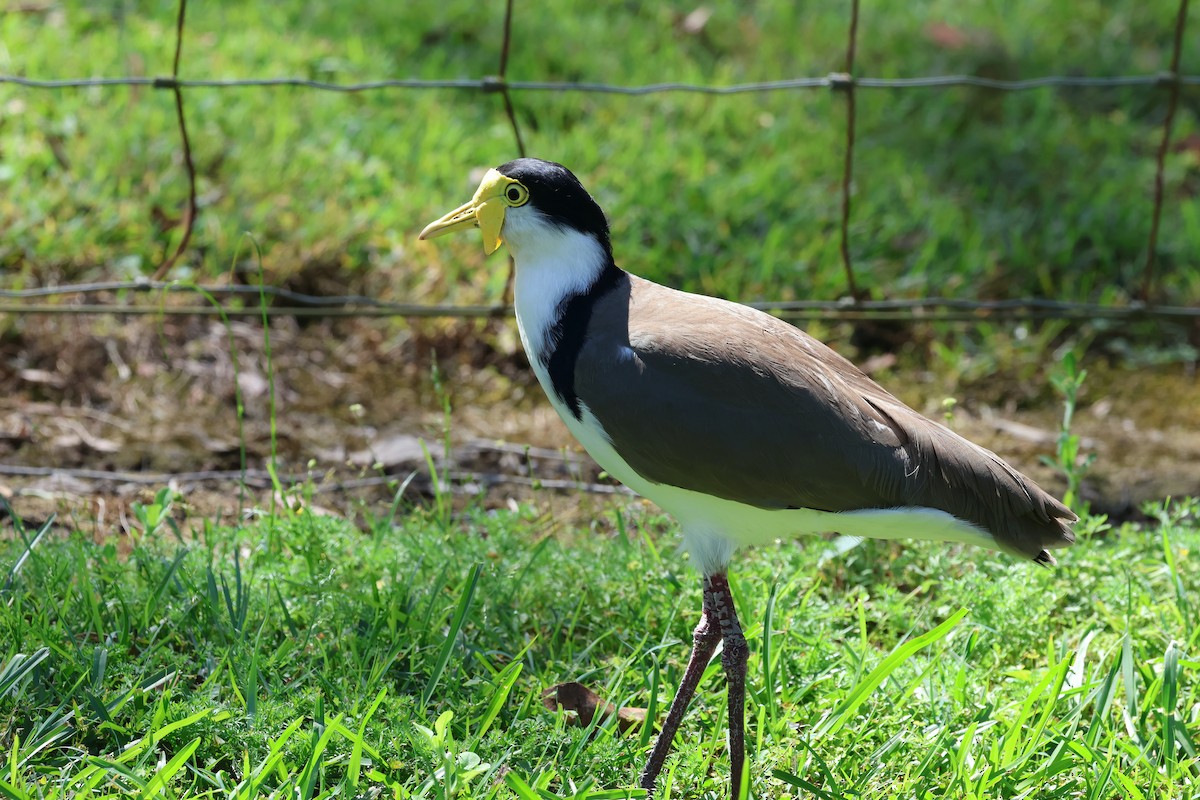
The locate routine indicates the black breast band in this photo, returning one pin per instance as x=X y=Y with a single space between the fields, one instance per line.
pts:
x=567 y=334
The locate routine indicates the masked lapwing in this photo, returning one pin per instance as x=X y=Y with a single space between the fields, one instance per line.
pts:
x=742 y=427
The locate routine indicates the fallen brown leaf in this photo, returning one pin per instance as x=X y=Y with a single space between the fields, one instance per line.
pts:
x=585 y=703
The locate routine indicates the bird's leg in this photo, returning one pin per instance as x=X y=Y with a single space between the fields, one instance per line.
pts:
x=704 y=644
x=733 y=658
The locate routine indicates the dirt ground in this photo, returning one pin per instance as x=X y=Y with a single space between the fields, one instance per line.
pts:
x=99 y=413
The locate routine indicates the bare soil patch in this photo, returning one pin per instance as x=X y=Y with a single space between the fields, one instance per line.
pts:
x=99 y=412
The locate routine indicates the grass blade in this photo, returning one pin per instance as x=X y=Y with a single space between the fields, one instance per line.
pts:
x=308 y=776
x=151 y=604
x=163 y=775
x=1170 y=698
x=19 y=667
x=169 y=728
x=1102 y=704
x=21 y=559
x=357 y=749
x=504 y=683
x=800 y=783
x=859 y=694
x=524 y=791
x=768 y=651
x=456 y=624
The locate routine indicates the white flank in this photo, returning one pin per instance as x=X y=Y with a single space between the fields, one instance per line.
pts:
x=713 y=528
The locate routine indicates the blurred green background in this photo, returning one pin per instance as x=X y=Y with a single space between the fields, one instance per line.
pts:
x=958 y=192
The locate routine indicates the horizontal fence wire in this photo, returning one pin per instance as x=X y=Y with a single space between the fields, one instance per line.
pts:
x=488 y=84
x=306 y=305
x=458 y=481
x=858 y=305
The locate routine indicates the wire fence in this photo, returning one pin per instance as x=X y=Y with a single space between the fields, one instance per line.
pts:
x=857 y=305
x=257 y=301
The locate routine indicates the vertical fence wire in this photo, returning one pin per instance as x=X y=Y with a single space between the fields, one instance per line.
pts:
x=189 y=214
x=1163 y=146
x=503 y=74
x=848 y=164
x=506 y=296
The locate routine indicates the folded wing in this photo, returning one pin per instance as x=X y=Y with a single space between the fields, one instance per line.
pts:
x=722 y=399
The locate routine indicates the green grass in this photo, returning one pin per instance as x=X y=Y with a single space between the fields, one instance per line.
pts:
x=957 y=192
x=308 y=658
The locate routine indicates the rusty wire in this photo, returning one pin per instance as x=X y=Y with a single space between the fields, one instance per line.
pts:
x=1164 y=145
x=459 y=481
x=490 y=84
x=189 y=214
x=249 y=301
x=503 y=77
x=506 y=296
x=848 y=162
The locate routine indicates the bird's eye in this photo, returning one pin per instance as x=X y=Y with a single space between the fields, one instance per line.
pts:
x=516 y=194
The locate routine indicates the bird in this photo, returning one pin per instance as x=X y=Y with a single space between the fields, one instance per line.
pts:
x=741 y=426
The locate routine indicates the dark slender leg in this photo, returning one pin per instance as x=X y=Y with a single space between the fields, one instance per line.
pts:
x=719 y=621
x=704 y=643
x=733 y=659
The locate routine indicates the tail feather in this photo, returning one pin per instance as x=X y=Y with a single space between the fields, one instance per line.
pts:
x=976 y=485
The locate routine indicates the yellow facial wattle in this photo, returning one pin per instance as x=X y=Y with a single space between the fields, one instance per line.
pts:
x=495 y=195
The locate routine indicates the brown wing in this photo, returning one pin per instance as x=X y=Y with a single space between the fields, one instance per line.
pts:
x=719 y=398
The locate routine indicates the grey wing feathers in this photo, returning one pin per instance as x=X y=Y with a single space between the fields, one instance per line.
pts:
x=719 y=398
x=974 y=484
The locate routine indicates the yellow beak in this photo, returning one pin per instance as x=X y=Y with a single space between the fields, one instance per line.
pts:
x=485 y=211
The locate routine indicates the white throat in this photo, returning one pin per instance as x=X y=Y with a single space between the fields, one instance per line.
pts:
x=552 y=264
